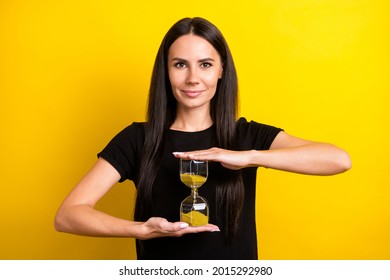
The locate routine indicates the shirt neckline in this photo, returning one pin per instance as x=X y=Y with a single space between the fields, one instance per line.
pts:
x=190 y=132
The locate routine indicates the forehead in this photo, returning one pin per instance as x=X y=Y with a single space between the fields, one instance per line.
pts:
x=192 y=46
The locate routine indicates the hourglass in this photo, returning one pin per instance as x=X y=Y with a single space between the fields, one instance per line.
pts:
x=194 y=209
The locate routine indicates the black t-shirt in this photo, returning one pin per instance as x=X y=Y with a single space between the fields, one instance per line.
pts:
x=124 y=153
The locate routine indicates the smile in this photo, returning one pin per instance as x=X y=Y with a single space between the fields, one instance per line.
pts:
x=192 y=93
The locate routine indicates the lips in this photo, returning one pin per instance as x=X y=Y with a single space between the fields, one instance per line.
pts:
x=192 y=93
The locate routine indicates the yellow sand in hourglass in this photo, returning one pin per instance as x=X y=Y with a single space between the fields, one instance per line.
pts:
x=192 y=180
x=194 y=218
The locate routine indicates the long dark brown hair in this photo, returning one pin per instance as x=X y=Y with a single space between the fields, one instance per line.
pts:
x=162 y=112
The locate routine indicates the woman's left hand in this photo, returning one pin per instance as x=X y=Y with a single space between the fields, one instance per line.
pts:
x=230 y=159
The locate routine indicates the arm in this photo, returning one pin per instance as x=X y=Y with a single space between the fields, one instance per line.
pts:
x=297 y=155
x=287 y=153
x=77 y=214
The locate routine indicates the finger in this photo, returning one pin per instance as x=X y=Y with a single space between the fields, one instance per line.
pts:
x=173 y=227
x=189 y=229
x=195 y=152
x=179 y=154
x=204 y=156
x=208 y=227
x=198 y=155
x=182 y=155
x=187 y=155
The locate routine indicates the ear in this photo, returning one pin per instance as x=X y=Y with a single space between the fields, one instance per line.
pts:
x=220 y=74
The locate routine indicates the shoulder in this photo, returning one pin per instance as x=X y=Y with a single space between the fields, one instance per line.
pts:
x=243 y=124
x=123 y=151
x=133 y=133
x=136 y=128
x=254 y=134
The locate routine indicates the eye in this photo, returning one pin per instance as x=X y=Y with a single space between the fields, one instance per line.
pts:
x=180 y=65
x=206 y=65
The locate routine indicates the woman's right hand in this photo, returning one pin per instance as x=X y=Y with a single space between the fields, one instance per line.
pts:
x=160 y=227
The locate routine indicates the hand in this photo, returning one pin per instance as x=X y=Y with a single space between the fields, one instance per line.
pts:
x=160 y=227
x=230 y=159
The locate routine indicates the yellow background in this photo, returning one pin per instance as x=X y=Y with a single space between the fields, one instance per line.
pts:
x=74 y=73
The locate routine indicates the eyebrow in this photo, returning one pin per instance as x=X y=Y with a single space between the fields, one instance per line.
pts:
x=200 y=60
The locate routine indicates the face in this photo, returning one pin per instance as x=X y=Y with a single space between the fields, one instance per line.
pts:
x=194 y=68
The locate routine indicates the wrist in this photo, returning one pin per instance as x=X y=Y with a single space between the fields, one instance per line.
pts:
x=137 y=230
x=255 y=158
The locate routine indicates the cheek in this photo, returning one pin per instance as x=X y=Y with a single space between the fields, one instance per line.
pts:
x=212 y=80
x=174 y=79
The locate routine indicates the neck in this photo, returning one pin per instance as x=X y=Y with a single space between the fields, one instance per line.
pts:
x=192 y=120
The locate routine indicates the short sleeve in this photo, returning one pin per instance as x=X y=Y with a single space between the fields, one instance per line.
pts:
x=254 y=135
x=123 y=151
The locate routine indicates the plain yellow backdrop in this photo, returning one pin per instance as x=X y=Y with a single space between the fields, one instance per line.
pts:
x=74 y=73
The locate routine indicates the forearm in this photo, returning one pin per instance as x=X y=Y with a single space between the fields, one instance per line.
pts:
x=85 y=220
x=314 y=159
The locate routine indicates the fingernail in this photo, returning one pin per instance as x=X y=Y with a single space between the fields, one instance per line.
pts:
x=215 y=230
x=183 y=225
x=177 y=153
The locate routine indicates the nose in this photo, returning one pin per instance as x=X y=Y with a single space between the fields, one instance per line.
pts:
x=192 y=76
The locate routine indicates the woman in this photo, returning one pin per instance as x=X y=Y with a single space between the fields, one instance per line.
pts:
x=191 y=114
